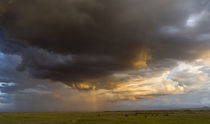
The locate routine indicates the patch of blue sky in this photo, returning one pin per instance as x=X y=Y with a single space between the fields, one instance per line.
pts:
x=169 y=77
x=173 y=79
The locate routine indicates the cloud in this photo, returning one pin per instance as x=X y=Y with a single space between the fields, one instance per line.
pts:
x=116 y=50
x=155 y=89
x=57 y=97
x=88 y=40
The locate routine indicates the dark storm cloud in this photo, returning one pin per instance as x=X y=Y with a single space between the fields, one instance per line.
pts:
x=87 y=40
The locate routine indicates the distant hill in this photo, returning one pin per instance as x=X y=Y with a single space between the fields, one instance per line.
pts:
x=205 y=108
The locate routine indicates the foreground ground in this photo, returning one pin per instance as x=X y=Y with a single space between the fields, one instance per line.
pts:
x=156 y=117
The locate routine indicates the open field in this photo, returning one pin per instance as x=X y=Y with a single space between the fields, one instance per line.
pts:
x=151 y=117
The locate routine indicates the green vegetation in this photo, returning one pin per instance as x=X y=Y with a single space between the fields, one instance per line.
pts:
x=155 y=117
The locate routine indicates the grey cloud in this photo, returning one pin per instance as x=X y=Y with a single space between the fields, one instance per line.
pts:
x=89 y=40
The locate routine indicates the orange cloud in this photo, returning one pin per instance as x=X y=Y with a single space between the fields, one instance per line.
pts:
x=142 y=58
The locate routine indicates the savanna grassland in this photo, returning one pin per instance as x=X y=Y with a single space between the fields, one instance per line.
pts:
x=151 y=117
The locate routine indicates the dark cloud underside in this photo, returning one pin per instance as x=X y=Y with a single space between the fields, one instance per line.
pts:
x=82 y=40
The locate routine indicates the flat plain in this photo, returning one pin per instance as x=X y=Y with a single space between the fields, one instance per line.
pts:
x=138 y=117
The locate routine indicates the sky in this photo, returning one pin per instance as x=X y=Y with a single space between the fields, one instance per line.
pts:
x=104 y=55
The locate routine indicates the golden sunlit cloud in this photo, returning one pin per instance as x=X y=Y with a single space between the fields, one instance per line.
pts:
x=205 y=54
x=84 y=86
x=141 y=88
x=142 y=59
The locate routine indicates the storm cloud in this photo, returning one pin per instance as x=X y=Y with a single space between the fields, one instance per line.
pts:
x=102 y=51
x=80 y=40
